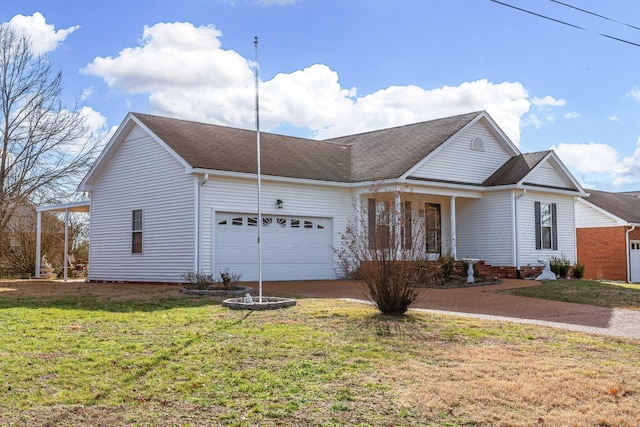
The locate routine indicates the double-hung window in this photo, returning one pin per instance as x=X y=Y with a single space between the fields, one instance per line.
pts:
x=383 y=225
x=432 y=228
x=378 y=222
x=136 y=231
x=546 y=226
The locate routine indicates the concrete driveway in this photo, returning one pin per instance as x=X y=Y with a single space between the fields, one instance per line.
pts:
x=486 y=302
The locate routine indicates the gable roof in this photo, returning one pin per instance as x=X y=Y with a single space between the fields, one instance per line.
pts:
x=380 y=154
x=213 y=147
x=389 y=153
x=515 y=169
x=518 y=169
x=623 y=205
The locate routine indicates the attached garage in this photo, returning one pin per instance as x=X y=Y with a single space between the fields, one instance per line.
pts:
x=293 y=248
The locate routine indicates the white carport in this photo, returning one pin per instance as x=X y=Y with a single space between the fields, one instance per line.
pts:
x=66 y=208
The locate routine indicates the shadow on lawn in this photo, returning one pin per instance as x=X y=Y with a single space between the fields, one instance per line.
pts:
x=112 y=297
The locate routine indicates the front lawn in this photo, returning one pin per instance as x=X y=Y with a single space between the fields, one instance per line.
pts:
x=601 y=294
x=149 y=356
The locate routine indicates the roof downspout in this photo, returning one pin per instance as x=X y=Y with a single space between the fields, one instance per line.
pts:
x=198 y=215
x=516 y=248
x=633 y=227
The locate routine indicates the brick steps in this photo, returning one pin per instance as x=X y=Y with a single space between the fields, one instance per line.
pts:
x=497 y=272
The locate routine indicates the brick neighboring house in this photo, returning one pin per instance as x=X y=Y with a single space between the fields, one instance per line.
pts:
x=608 y=235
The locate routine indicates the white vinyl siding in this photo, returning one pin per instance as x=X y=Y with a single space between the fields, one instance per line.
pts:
x=240 y=195
x=565 y=227
x=142 y=175
x=457 y=161
x=589 y=217
x=548 y=175
x=484 y=228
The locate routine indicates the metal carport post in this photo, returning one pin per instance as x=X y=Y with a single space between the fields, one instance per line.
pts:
x=66 y=208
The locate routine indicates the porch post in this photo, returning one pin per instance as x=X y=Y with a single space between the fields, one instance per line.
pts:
x=397 y=208
x=453 y=227
x=358 y=213
x=38 y=242
x=66 y=244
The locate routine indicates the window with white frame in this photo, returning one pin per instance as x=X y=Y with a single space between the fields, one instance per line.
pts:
x=136 y=231
x=546 y=224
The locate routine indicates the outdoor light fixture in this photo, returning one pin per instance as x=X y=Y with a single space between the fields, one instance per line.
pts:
x=279 y=203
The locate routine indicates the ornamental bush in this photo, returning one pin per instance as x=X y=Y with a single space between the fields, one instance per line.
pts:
x=560 y=266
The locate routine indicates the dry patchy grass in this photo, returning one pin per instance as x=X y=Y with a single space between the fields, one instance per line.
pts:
x=322 y=363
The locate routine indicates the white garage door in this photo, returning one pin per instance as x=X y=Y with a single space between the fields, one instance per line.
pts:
x=293 y=248
x=635 y=260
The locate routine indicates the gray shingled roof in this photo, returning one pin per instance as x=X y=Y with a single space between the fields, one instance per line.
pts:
x=381 y=154
x=622 y=205
x=222 y=148
x=515 y=169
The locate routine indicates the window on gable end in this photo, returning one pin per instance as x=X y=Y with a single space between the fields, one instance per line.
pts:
x=136 y=231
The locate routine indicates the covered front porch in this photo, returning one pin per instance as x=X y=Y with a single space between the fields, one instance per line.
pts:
x=426 y=217
x=452 y=220
x=67 y=209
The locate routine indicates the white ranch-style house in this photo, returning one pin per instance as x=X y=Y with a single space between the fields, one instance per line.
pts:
x=169 y=196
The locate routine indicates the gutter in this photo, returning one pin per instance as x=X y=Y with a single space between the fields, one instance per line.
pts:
x=198 y=221
x=633 y=227
x=516 y=240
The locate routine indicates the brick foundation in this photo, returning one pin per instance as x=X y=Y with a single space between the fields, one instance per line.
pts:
x=498 y=272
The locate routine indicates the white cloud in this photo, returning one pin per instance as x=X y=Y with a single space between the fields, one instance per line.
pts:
x=187 y=74
x=44 y=37
x=634 y=93
x=571 y=115
x=95 y=124
x=87 y=93
x=548 y=101
x=396 y=105
x=614 y=118
x=600 y=163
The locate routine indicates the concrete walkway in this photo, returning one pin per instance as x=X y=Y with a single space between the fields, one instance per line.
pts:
x=486 y=302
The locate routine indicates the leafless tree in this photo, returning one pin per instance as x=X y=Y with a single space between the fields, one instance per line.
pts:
x=384 y=246
x=44 y=148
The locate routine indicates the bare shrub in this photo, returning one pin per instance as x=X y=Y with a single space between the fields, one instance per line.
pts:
x=202 y=281
x=384 y=246
x=229 y=279
x=198 y=280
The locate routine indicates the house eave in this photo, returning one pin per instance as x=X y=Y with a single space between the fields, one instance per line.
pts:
x=270 y=178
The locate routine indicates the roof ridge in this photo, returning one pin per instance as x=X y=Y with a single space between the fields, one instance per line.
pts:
x=352 y=135
x=200 y=123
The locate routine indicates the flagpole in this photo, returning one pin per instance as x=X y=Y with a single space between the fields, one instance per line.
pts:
x=255 y=42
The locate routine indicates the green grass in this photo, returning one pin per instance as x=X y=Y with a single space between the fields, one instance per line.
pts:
x=601 y=294
x=184 y=361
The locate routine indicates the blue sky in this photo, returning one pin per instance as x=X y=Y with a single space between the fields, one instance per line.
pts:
x=333 y=67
